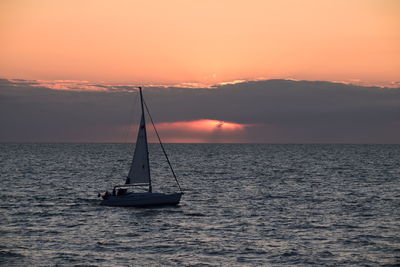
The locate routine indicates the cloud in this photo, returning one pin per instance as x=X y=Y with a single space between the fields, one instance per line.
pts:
x=279 y=111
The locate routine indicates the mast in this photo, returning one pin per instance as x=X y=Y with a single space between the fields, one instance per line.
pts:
x=145 y=137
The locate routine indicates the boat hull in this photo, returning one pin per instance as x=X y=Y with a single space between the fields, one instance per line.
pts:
x=142 y=200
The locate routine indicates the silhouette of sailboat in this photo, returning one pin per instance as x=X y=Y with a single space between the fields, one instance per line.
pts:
x=139 y=175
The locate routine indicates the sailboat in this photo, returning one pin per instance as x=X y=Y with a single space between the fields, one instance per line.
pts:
x=139 y=175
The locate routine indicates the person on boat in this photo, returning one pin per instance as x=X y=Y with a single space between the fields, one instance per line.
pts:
x=106 y=195
x=121 y=191
x=113 y=192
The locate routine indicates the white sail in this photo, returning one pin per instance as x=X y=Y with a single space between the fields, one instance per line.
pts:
x=139 y=172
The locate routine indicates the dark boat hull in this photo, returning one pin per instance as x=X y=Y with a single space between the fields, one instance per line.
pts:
x=142 y=200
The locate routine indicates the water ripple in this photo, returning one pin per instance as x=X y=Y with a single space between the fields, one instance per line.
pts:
x=245 y=205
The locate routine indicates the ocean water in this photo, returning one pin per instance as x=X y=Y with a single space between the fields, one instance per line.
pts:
x=244 y=205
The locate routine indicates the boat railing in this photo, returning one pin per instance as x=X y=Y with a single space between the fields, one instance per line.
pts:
x=129 y=185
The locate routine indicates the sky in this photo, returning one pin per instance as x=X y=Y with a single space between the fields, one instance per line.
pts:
x=289 y=71
x=200 y=41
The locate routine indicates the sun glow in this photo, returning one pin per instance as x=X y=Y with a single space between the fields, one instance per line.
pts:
x=201 y=131
x=203 y=125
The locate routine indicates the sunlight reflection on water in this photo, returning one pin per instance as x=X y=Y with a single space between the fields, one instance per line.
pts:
x=244 y=205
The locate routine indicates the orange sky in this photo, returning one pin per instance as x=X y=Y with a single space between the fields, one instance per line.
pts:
x=204 y=41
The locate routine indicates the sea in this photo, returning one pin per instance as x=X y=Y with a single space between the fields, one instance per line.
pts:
x=244 y=205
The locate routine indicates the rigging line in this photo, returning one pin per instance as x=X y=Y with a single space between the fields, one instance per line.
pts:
x=131 y=120
x=123 y=134
x=162 y=147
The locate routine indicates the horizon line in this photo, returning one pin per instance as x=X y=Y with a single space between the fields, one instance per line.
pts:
x=198 y=143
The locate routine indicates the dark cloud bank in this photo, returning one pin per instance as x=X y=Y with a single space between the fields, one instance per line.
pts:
x=282 y=111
